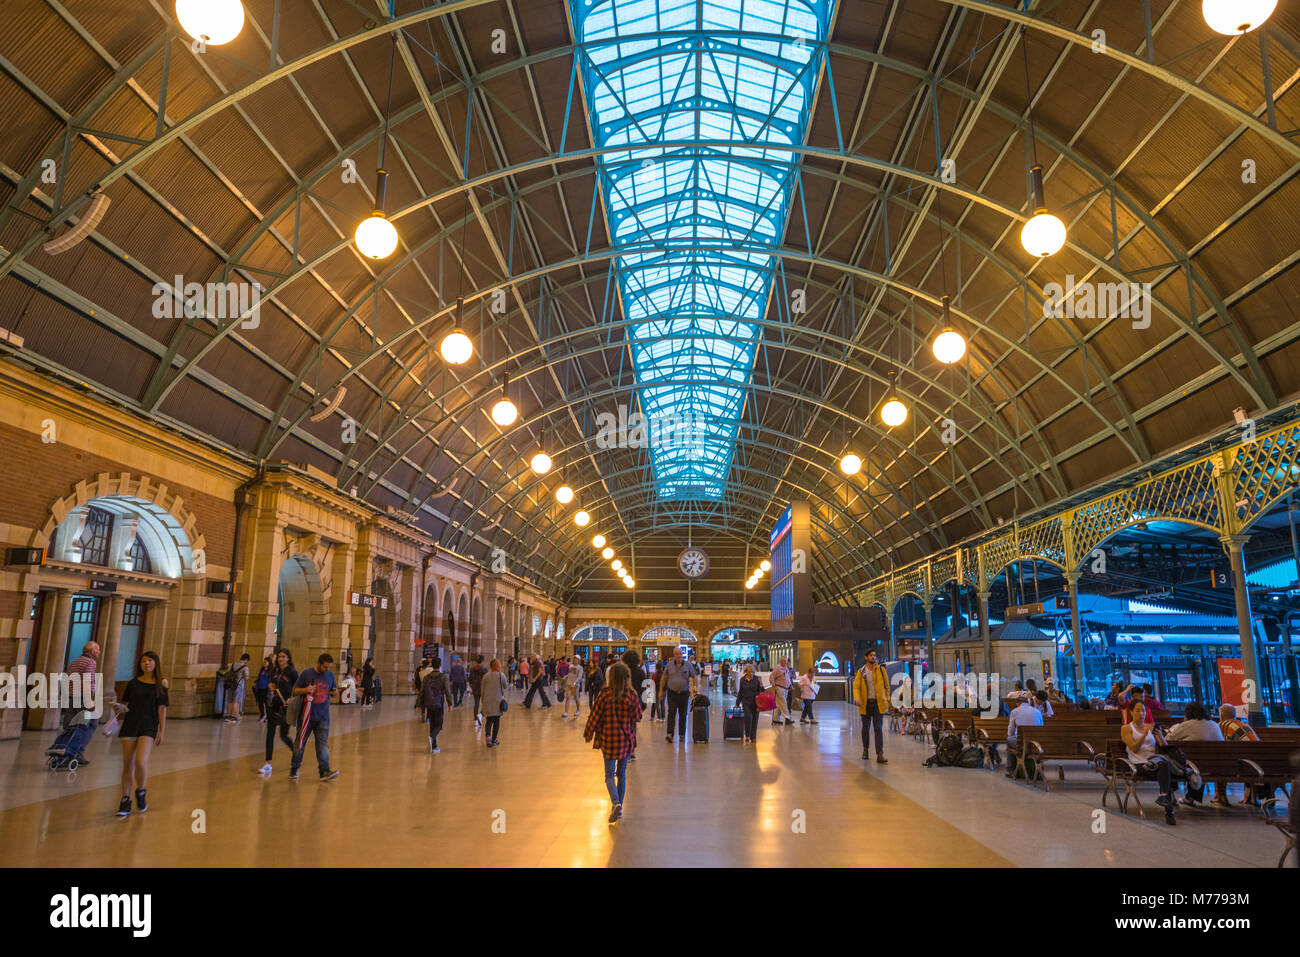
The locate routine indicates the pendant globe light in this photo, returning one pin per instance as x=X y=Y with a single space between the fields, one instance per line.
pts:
x=564 y=495
x=456 y=347
x=540 y=463
x=622 y=573
x=893 y=412
x=765 y=565
x=581 y=519
x=598 y=541
x=949 y=345
x=851 y=464
x=629 y=582
x=750 y=583
x=375 y=237
x=607 y=554
x=1044 y=234
x=1231 y=17
x=505 y=413
x=213 y=22
x=616 y=564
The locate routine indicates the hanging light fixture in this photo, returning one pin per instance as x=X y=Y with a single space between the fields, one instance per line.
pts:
x=950 y=345
x=629 y=582
x=505 y=413
x=581 y=519
x=215 y=22
x=564 y=495
x=456 y=347
x=1044 y=234
x=375 y=237
x=598 y=541
x=540 y=463
x=1231 y=17
x=622 y=573
x=850 y=464
x=607 y=554
x=765 y=565
x=893 y=412
x=616 y=564
x=749 y=583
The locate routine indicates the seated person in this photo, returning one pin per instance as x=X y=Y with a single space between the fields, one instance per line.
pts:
x=1117 y=696
x=1042 y=705
x=1054 y=694
x=1141 y=741
x=1024 y=715
x=1136 y=701
x=1018 y=693
x=1233 y=728
x=1195 y=726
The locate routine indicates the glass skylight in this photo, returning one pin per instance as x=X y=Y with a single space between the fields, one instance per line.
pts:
x=707 y=97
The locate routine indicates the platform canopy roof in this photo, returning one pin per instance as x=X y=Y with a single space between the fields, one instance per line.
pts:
x=725 y=227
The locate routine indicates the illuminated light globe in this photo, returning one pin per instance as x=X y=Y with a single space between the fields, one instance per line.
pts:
x=456 y=348
x=540 y=463
x=765 y=565
x=564 y=495
x=749 y=583
x=1231 y=17
x=629 y=582
x=622 y=573
x=598 y=541
x=506 y=412
x=581 y=519
x=213 y=21
x=949 y=346
x=607 y=554
x=758 y=573
x=893 y=413
x=376 y=237
x=616 y=564
x=850 y=464
x=1043 y=235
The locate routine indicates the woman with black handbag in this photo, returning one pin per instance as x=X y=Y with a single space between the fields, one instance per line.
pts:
x=493 y=702
x=279 y=690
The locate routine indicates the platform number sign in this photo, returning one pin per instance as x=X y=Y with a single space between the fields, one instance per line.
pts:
x=693 y=562
x=1221 y=578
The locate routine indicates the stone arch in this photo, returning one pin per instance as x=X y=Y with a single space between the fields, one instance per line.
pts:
x=477 y=641
x=164 y=518
x=464 y=636
x=302 y=605
x=447 y=618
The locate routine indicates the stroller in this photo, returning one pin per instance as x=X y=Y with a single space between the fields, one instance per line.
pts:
x=69 y=748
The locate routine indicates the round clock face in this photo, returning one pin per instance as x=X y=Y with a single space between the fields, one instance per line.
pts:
x=693 y=562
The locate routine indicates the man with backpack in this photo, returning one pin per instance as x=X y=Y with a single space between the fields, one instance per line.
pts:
x=871 y=689
x=434 y=694
x=459 y=681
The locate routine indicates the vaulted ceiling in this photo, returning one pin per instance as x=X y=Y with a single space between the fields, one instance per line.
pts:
x=742 y=214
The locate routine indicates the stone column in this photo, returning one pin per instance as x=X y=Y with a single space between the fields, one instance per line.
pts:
x=110 y=642
x=928 y=606
x=54 y=648
x=1236 y=545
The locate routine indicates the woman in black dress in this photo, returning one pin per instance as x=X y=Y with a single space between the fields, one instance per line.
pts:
x=145 y=704
x=368 y=683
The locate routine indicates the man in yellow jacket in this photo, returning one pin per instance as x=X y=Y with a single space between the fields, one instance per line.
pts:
x=871 y=689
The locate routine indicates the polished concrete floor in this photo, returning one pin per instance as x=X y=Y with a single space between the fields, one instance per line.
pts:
x=801 y=797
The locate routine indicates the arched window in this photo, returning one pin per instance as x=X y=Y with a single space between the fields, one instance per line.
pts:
x=600 y=635
x=669 y=633
x=124 y=533
x=139 y=556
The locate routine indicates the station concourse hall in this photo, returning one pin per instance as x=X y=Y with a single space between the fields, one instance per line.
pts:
x=511 y=434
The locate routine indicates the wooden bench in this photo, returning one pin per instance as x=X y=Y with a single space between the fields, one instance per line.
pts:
x=988 y=734
x=1263 y=765
x=1060 y=739
x=959 y=721
x=1092 y=726
x=926 y=720
x=1288 y=735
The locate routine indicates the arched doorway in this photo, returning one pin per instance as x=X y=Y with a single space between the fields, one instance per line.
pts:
x=298 y=596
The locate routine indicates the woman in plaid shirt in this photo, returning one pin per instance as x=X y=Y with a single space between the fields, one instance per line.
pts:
x=612 y=724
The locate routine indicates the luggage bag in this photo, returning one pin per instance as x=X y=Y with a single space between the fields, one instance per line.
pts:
x=700 y=725
x=733 y=724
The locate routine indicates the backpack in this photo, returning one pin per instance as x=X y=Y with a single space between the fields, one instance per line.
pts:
x=232 y=679
x=946 y=753
x=970 y=757
x=432 y=694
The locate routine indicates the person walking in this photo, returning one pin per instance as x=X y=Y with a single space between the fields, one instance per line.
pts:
x=144 y=706
x=680 y=677
x=368 y=684
x=476 y=673
x=726 y=676
x=595 y=680
x=781 y=682
x=87 y=666
x=459 y=681
x=280 y=686
x=572 y=689
x=493 y=692
x=420 y=675
x=523 y=673
x=260 y=689
x=316 y=684
x=435 y=694
x=807 y=692
x=537 y=671
x=747 y=691
x=636 y=673
x=611 y=727
x=236 y=682
x=871 y=689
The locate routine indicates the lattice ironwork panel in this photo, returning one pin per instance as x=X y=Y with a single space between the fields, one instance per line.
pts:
x=998 y=554
x=1264 y=471
x=911 y=580
x=970 y=566
x=1044 y=540
x=943 y=570
x=1187 y=494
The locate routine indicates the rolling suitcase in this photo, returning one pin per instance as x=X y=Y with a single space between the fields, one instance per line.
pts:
x=733 y=724
x=700 y=725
